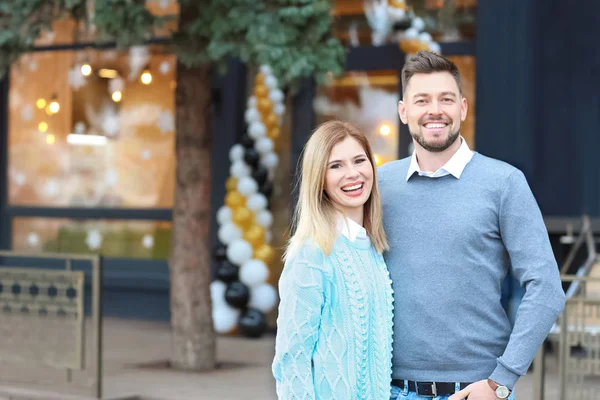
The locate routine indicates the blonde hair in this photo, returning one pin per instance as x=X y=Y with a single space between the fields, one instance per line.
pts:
x=315 y=216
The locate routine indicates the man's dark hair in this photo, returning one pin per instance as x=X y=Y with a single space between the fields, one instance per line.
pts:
x=426 y=62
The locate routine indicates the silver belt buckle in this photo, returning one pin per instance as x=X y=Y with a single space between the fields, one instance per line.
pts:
x=433 y=390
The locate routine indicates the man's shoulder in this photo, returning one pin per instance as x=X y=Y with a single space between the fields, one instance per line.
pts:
x=492 y=167
x=393 y=168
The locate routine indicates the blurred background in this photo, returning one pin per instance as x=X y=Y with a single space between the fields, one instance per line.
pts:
x=88 y=156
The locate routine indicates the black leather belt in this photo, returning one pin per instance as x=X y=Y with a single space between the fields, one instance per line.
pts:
x=429 y=389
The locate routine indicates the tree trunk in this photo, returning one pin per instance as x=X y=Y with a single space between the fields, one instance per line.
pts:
x=193 y=337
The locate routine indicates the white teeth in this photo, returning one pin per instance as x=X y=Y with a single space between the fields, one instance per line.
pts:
x=435 y=126
x=350 y=188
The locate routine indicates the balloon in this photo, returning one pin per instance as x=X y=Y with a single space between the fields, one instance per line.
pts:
x=252 y=102
x=279 y=109
x=247 y=186
x=276 y=96
x=236 y=153
x=265 y=70
x=435 y=47
x=217 y=293
x=251 y=157
x=234 y=199
x=274 y=133
x=266 y=189
x=425 y=37
x=220 y=253
x=264 y=145
x=237 y=294
x=269 y=160
x=243 y=217
x=263 y=297
x=239 y=251
x=411 y=33
x=224 y=215
x=227 y=272
x=260 y=175
x=225 y=318
x=264 y=253
x=256 y=202
x=252 y=115
x=231 y=183
x=418 y=24
x=264 y=106
x=268 y=237
x=261 y=91
x=247 y=141
x=257 y=130
x=259 y=79
x=255 y=235
x=271 y=121
x=253 y=273
x=252 y=323
x=240 y=169
x=228 y=233
x=264 y=219
x=271 y=82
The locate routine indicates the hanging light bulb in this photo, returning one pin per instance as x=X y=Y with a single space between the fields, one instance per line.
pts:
x=385 y=129
x=40 y=103
x=146 y=77
x=117 y=96
x=43 y=127
x=50 y=139
x=54 y=107
x=86 y=70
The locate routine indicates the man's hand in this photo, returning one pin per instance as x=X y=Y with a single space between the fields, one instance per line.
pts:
x=476 y=391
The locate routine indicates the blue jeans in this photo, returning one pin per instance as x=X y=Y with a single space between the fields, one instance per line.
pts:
x=401 y=394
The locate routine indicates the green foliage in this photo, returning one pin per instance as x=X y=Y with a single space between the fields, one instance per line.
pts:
x=292 y=36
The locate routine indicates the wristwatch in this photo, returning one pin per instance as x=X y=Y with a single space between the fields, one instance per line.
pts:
x=502 y=392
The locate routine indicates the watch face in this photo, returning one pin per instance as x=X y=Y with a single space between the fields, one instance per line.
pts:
x=502 y=392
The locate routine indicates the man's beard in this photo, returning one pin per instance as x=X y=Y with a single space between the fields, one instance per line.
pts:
x=435 y=147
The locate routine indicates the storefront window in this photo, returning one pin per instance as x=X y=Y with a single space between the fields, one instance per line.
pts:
x=114 y=238
x=92 y=129
x=368 y=100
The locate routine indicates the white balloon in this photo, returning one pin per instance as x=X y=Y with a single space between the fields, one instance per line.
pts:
x=257 y=130
x=264 y=219
x=397 y=14
x=239 y=169
x=225 y=318
x=217 y=293
x=252 y=102
x=435 y=47
x=279 y=109
x=266 y=70
x=224 y=215
x=264 y=145
x=236 y=153
x=252 y=115
x=425 y=37
x=268 y=237
x=269 y=160
x=247 y=186
x=276 y=96
x=411 y=33
x=229 y=232
x=239 y=251
x=418 y=24
x=263 y=297
x=253 y=273
x=271 y=82
x=256 y=202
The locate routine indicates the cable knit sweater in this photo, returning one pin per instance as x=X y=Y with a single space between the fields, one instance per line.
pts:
x=334 y=336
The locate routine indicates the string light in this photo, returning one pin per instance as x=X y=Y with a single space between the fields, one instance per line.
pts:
x=385 y=129
x=117 y=96
x=54 y=107
x=50 y=139
x=86 y=69
x=146 y=77
x=40 y=103
x=43 y=127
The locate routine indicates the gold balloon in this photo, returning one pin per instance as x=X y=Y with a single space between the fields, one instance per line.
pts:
x=259 y=79
x=261 y=92
x=271 y=121
x=255 y=235
x=264 y=253
x=231 y=184
x=264 y=105
x=242 y=217
x=273 y=133
x=234 y=199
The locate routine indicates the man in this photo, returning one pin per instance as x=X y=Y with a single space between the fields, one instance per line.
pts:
x=457 y=222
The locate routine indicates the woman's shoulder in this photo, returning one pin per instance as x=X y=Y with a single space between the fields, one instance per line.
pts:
x=307 y=254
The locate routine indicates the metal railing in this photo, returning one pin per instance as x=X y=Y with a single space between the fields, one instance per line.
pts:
x=43 y=324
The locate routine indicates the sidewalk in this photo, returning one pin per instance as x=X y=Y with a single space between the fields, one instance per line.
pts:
x=135 y=368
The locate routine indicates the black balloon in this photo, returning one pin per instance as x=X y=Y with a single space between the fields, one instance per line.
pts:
x=252 y=323
x=247 y=141
x=266 y=189
x=260 y=175
x=227 y=272
x=237 y=294
x=251 y=157
x=220 y=252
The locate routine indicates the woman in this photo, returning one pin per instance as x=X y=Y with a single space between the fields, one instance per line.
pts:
x=334 y=336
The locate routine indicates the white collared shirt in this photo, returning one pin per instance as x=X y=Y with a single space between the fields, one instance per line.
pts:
x=351 y=229
x=455 y=165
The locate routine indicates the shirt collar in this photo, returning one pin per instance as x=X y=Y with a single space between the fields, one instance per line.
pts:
x=351 y=229
x=454 y=166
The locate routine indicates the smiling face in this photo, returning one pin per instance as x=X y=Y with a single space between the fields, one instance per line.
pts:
x=433 y=108
x=349 y=177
